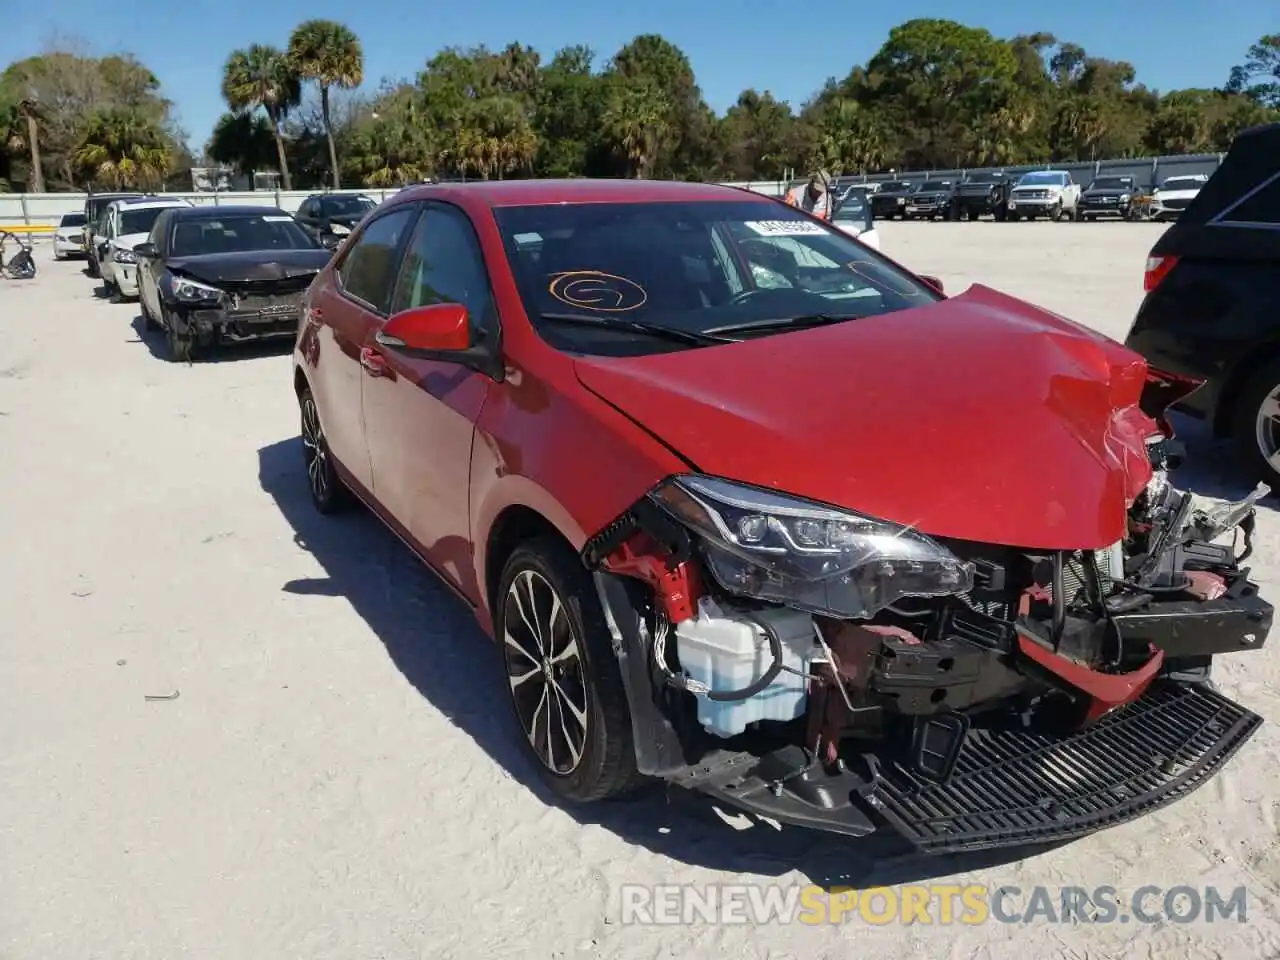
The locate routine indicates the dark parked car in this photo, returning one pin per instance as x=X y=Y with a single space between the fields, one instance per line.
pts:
x=983 y=194
x=690 y=455
x=330 y=217
x=1108 y=197
x=931 y=200
x=891 y=199
x=1212 y=308
x=225 y=274
x=95 y=209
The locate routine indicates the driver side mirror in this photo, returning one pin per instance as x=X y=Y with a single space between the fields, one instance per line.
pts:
x=933 y=282
x=145 y=249
x=442 y=331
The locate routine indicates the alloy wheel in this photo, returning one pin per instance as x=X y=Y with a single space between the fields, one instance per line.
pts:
x=1267 y=428
x=545 y=672
x=315 y=451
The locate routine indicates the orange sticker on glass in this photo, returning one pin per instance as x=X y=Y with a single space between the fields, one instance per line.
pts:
x=596 y=290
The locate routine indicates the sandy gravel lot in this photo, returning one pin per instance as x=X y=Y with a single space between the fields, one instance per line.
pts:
x=338 y=778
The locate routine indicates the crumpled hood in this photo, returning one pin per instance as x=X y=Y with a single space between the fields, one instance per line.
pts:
x=218 y=268
x=980 y=417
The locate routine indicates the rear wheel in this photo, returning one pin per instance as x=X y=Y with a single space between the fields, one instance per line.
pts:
x=566 y=689
x=1255 y=429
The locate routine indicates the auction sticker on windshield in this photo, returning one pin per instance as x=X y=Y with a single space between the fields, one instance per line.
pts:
x=784 y=228
x=276 y=219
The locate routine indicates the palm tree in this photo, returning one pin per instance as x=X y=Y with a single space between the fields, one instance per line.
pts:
x=263 y=76
x=635 y=120
x=329 y=54
x=123 y=149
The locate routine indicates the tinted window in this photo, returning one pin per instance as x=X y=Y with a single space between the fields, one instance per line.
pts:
x=239 y=233
x=935 y=185
x=443 y=264
x=368 y=268
x=346 y=206
x=1111 y=183
x=138 y=221
x=72 y=220
x=1261 y=207
x=1044 y=178
x=692 y=266
x=898 y=185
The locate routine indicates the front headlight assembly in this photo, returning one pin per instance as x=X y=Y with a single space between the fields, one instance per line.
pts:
x=191 y=291
x=770 y=546
x=123 y=255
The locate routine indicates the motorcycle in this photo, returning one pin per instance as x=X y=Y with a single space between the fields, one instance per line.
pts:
x=22 y=266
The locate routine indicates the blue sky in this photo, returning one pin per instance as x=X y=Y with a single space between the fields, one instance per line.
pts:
x=782 y=47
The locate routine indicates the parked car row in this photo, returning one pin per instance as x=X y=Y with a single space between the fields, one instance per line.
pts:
x=210 y=275
x=1052 y=194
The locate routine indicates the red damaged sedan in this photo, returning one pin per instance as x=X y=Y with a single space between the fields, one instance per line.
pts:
x=754 y=510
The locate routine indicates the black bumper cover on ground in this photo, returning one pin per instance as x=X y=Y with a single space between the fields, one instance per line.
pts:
x=1012 y=788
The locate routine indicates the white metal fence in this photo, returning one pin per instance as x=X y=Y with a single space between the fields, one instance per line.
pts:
x=42 y=211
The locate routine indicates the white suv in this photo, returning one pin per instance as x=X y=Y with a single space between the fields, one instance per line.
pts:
x=128 y=223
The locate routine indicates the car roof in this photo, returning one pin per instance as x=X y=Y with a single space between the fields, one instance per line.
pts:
x=513 y=193
x=1206 y=230
x=147 y=203
x=211 y=211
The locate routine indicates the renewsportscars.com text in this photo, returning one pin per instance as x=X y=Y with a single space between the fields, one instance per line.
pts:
x=938 y=903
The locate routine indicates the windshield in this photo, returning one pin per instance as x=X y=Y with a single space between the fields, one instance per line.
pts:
x=985 y=178
x=97 y=206
x=72 y=220
x=1182 y=183
x=345 y=206
x=1042 y=178
x=239 y=233
x=930 y=185
x=139 y=221
x=896 y=186
x=1111 y=183
x=691 y=267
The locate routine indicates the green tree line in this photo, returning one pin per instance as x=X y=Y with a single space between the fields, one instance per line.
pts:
x=937 y=94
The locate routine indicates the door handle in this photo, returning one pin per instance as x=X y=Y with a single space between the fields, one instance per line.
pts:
x=374 y=362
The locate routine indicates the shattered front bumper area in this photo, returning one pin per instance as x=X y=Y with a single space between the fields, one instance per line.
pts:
x=1054 y=695
x=1008 y=787
x=218 y=325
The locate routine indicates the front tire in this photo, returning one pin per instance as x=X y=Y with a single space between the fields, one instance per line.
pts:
x=565 y=686
x=328 y=493
x=1255 y=428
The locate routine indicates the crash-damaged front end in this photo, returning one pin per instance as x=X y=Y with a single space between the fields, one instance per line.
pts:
x=239 y=298
x=827 y=669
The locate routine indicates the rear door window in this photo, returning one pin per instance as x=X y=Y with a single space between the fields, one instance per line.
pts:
x=1261 y=207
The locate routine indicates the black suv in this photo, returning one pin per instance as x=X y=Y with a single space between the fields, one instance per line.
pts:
x=932 y=199
x=891 y=199
x=983 y=193
x=1212 y=308
x=330 y=217
x=1108 y=197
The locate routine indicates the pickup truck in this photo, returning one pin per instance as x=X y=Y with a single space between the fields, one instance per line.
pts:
x=1045 y=193
x=983 y=193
